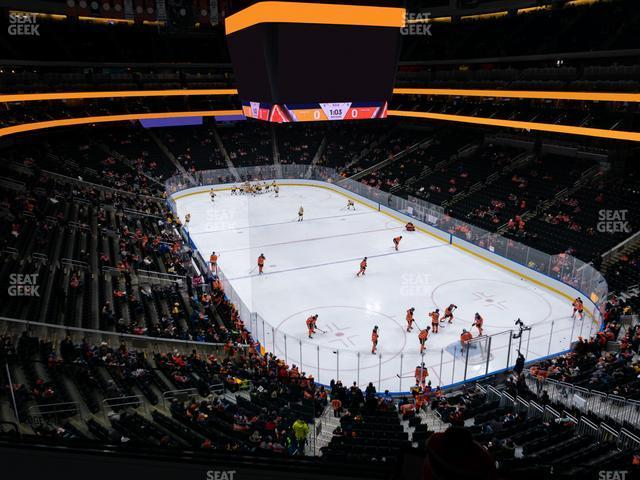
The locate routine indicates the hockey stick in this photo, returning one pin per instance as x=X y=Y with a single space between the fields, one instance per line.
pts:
x=252 y=270
x=417 y=325
x=320 y=330
x=405 y=376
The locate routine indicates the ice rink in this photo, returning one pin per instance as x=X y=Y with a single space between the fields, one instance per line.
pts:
x=311 y=268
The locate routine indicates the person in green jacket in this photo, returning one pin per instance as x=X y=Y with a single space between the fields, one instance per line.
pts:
x=301 y=430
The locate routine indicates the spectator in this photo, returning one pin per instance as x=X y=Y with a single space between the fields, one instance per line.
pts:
x=301 y=430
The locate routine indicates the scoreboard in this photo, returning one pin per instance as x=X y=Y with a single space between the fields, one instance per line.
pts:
x=309 y=61
x=314 y=112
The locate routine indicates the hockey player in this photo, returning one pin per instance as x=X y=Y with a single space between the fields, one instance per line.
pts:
x=311 y=324
x=478 y=321
x=396 y=242
x=276 y=189
x=374 y=339
x=187 y=219
x=351 y=205
x=410 y=227
x=578 y=307
x=421 y=374
x=410 y=319
x=422 y=337
x=363 y=267
x=212 y=194
x=435 y=319
x=465 y=338
x=213 y=260
x=448 y=312
x=300 y=214
x=261 y=260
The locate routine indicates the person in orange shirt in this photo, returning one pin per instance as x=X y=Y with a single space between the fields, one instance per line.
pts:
x=477 y=322
x=407 y=409
x=396 y=242
x=435 y=318
x=374 y=339
x=420 y=401
x=421 y=374
x=448 y=312
x=217 y=284
x=363 y=267
x=578 y=307
x=410 y=319
x=213 y=260
x=261 y=260
x=311 y=324
x=422 y=336
x=465 y=338
x=336 y=404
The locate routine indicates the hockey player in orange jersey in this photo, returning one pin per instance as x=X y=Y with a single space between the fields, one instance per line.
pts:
x=478 y=321
x=465 y=338
x=410 y=319
x=363 y=267
x=435 y=319
x=311 y=324
x=448 y=312
x=423 y=336
x=374 y=339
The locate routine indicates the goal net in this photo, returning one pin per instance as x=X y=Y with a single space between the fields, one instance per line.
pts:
x=478 y=350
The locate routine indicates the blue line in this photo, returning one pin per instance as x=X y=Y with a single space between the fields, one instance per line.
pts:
x=337 y=261
x=312 y=239
x=281 y=223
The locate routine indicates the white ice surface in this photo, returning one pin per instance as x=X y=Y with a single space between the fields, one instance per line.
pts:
x=311 y=267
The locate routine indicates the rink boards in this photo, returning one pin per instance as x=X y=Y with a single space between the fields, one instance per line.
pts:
x=493 y=275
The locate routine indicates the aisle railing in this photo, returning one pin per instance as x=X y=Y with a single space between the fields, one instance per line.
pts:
x=602 y=405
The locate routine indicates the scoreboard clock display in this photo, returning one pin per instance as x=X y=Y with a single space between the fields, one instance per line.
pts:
x=314 y=112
